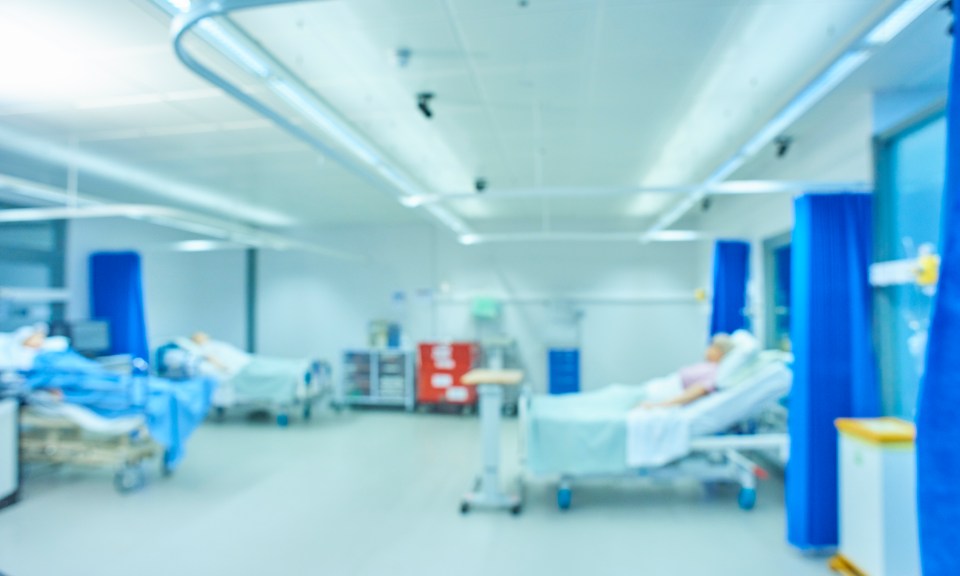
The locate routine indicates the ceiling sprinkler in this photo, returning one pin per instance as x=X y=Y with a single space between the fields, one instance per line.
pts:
x=401 y=56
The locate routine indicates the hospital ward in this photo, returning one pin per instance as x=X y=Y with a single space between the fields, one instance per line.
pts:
x=479 y=287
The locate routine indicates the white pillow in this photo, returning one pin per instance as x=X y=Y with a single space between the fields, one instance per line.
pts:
x=188 y=345
x=55 y=344
x=745 y=350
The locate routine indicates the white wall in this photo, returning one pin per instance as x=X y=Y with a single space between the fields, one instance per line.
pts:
x=637 y=315
x=183 y=291
x=309 y=305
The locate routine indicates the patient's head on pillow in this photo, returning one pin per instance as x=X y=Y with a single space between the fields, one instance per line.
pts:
x=720 y=344
x=32 y=336
x=200 y=338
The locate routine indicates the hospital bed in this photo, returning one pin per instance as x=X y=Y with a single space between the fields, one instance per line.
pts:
x=280 y=385
x=80 y=413
x=569 y=440
x=54 y=432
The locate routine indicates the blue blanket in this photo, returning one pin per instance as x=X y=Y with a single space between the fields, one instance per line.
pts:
x=173 y=410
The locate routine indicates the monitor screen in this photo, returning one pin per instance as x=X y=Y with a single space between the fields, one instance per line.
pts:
x=90 y=337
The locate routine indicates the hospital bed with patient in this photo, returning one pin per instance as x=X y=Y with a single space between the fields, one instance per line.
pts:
x=636 y=430
x=78 y=411
x=248 y=380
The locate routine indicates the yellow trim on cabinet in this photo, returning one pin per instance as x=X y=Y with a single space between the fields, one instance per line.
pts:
x=843 y=565
x=878 y=430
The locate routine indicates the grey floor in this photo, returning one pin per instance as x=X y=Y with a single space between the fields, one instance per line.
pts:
x=376 y=493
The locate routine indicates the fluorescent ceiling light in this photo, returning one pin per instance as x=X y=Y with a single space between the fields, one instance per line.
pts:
x=674 y=236
x=413 y=201
x=786 y=187
x=514 y=237
x=898 y=20
x=181 y=5
x=202 y=246
x=668 y=236
x=754 y=187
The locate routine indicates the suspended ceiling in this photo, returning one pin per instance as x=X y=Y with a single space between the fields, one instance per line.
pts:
x=561 y=93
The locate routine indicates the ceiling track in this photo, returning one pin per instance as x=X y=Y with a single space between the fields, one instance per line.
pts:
x=176 y=219
x=730 y=187
x=370 y=166
x=373 y=167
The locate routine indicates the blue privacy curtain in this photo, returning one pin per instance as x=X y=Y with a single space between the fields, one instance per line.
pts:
x=938 y=412
x=834 y=374
x=731 y=265
x=116 y=295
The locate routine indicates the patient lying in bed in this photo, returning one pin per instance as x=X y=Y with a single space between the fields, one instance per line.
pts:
x=219 y=359
x=608 y=429
x=19 y=349
x=245 y=378
x=697 y=380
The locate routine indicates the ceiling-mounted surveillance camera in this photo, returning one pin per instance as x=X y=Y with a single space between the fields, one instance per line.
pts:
x=705 y=204
x=480 y=184
x=783 y=145
x=423 y=103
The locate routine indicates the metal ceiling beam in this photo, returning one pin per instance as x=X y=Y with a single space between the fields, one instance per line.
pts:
x=177 y=219
x=725 y=188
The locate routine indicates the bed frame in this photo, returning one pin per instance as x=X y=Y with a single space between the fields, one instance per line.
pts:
x=56 y=440
x=712 y=459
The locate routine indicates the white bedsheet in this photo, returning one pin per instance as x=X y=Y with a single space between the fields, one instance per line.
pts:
x=657 y=437
x=87 y=419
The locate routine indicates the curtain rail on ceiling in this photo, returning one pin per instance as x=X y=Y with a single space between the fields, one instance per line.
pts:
x=363 y=158
x=177 y=219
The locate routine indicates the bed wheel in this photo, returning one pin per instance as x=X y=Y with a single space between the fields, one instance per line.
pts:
x=464 y=507
x=283 y=420
x=220 y=412
x=747 y=498
x=564 y=498
x=517 y=509
x=307 y=411
x=129 y=479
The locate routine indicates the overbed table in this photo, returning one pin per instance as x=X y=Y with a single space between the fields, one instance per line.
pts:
x=488 y=492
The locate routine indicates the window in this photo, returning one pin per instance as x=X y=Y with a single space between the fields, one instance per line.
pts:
x=911 y=165
x=776 y=253
x=31 y=256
